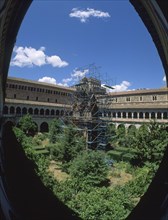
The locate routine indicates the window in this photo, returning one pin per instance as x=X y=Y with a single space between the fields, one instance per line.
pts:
x=128 y=99
x=48 y=99
x=140 y=98
x=27 y=97
x=36 y=98
x=14 y=96
x=56 y=100
x=154 y=98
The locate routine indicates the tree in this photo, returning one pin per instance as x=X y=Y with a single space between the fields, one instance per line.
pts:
x=27 y=125
x=90 y=167
x=71 y=144
x=150 y=143
x=54 y=130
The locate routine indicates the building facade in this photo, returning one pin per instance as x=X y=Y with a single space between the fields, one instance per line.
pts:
x=46 y=101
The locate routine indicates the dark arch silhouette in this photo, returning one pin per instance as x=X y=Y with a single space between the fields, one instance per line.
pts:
x=135 y=115
x=153 y=115
x=47 y=112
x=5 y=110
x=41 y=111
x=124 y=114
x=159 y=115
x=9 y=125
x=141 y=115
x=44 y=127
x=119 y=114
x=62 y=112
x=18 y=110
x=52 y=112
x=132 y=129
x=129 y=115
x=121 y=126
x=24 y=111
x=12 y=110
x=36 y=111
x=57 y=112
x=146 y=115
x=30 y=111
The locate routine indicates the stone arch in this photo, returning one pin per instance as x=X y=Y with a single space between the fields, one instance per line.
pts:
x=36 y=111
x=135 y=115
x=141 y=115
x=153 y=115
x=24 y=111
x=52 y=112
x=30 y=111
x=41 y=111
x=62 y=112
x=124 y=114
x=129 y=115
x=121 y=126
x=5 y=110
x=44 y=127
x=121 y=130
x=18 y=110
x=119 y=114
x=57 y=112
x=146 y=115
x=132 y=129
x=164 y=115
x=159 y=115
x=47 y=112
x=9 y=125
x=114 y=114
x=12 y=110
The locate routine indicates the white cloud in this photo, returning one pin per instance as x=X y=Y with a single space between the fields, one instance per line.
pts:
x=48 y=79
x=84 y=15
x=123 y=86
x=164 y=79
x=28 y=56
x=78 y=74
x=56 y=61
x=75 y=76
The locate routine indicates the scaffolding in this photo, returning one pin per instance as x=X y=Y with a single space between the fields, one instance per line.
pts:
x=86 y=109
x=88 y=103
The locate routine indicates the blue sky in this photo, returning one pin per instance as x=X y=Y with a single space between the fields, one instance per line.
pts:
x=58 y=40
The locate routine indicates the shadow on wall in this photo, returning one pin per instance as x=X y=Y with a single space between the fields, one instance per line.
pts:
x=29 y=197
